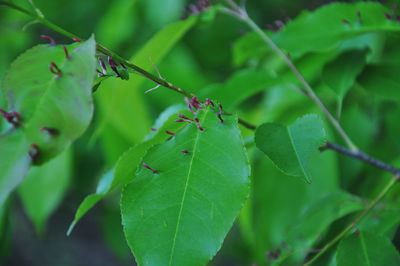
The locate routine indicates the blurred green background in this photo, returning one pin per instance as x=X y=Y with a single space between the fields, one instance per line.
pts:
x=203 y=57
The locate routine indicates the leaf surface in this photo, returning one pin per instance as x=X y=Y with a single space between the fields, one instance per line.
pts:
x=320 y=30
x=341 y=74
x=382 y=80
x=14 y=162
x=43 y=99
x=44 y=187
x=126 y=167
x=367 y=249
x=291 y=147
x=62 y=103
x=181 y=215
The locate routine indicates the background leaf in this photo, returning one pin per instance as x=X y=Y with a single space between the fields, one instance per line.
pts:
x=341 y=73
x=52 y=178
x=14 y=163
x=382 y=81
x=367 y=249
x=193 y=200
x=290 y=148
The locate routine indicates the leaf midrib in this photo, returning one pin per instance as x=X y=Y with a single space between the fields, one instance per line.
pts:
x=364 y=249
x=295 y=151
x=185 y=189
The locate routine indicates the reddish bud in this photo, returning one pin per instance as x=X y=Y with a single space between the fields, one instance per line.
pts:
x=100 y=74
x=183 y=116
x=52 y=42
x=66 y=53
x=170 y=133
x=191 y=109
x=103 y=65
x=185 y=151
x=113 y=65
x=357 y=232
x=389 y=17
x=11 y=117
x=199 y=127
x=219 y=114
x=76 y=40
x=148 y=167
x=208 y=102
x=54 y=69
x=51 y=131
x=34 y=152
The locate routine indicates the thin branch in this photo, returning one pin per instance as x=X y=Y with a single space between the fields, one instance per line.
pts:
x=278 y=51
x=100 y=48
x=355 y=221
x=362 y=157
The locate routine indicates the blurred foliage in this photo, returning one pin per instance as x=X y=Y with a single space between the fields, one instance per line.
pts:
x=215 y=57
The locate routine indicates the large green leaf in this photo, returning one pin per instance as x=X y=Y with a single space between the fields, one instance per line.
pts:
x=291 y=147
x=43 y=99
x=367 y=249
x=125 y=169
x=44 y=187
x=340 y=74
x=61 y=103
x=319 y=30
x=181 y=214
x=382 y=80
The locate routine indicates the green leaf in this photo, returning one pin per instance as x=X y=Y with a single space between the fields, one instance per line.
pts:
x=367 y=249
x=14 y=163
x=382 y=80
x=317 y=216
x=291 y=147
x=43 y=99
x=126 y=167
x=122 y=102
x=44 y=187
x=102 y=189
x=181 y=215
x=319 y=30
x=340 y=74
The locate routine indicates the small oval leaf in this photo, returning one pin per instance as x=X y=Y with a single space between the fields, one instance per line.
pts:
x=291 y=147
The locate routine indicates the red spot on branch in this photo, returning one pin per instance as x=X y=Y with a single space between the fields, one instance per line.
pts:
x=148 y=167
x=52 y=42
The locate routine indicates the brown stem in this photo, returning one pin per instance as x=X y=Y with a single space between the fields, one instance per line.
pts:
x=362 y=157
